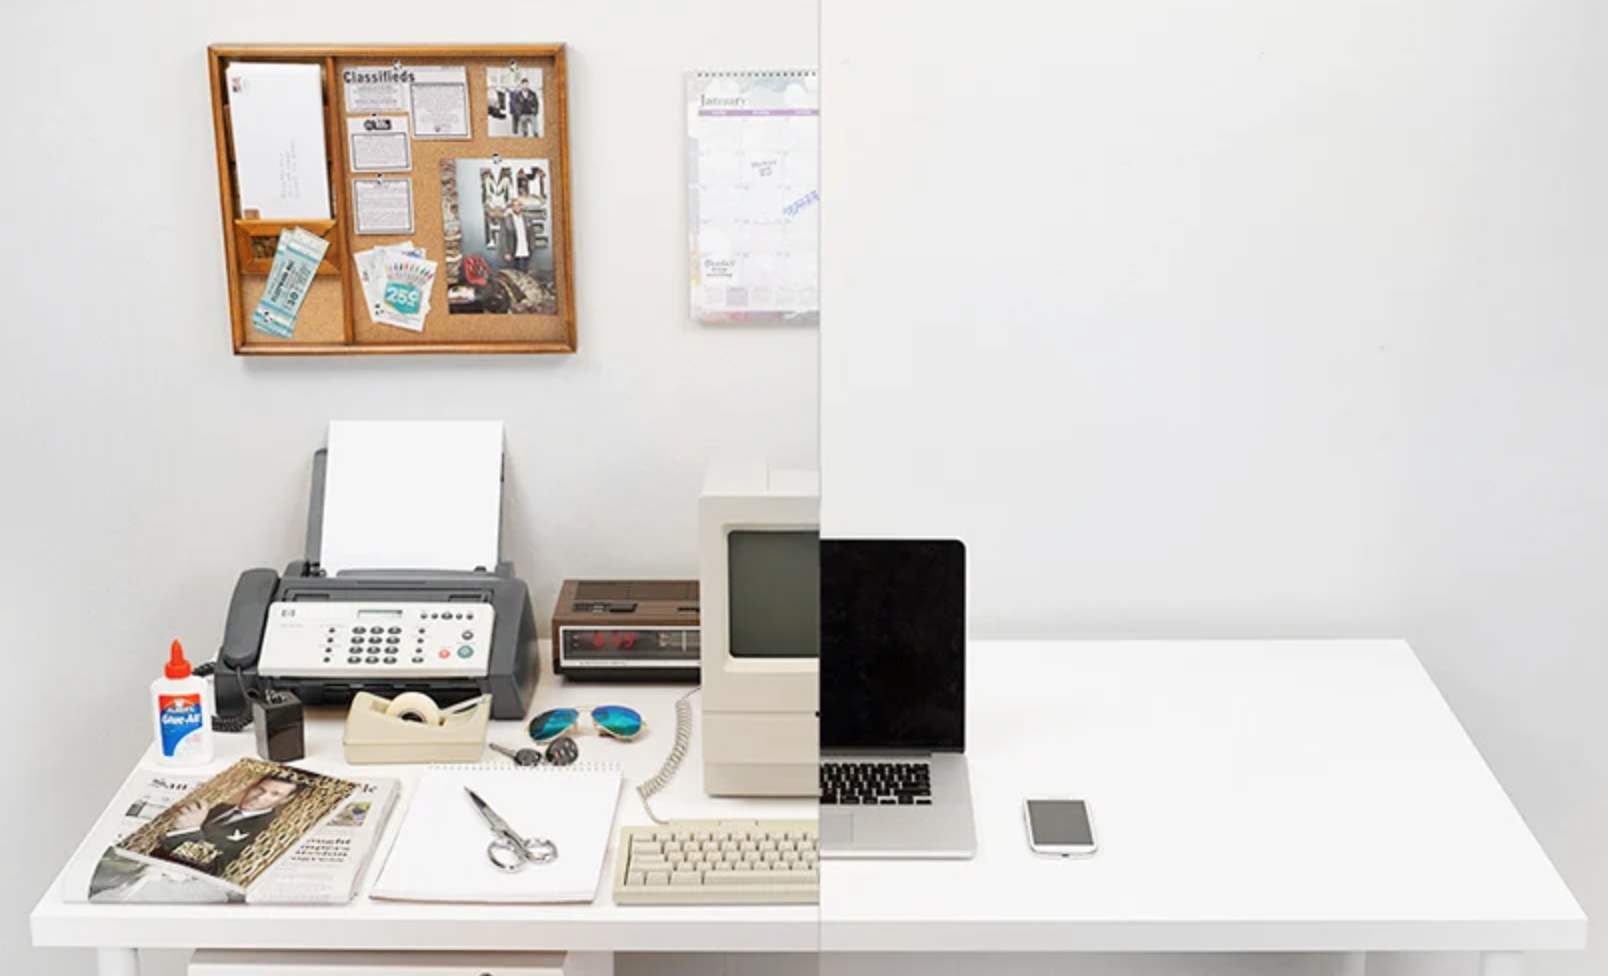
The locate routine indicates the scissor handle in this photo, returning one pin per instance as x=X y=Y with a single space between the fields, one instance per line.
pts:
x=509 y=856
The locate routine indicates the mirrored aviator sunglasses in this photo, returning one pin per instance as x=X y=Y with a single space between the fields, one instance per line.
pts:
x=614 y=721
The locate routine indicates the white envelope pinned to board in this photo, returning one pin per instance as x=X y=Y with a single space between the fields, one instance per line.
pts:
x=276 y=119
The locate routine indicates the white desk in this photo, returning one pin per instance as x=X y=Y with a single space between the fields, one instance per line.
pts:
x=601 y=927
x=1247 y=796
x=1313 y=796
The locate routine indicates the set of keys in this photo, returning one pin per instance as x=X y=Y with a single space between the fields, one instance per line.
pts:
x=560 y=752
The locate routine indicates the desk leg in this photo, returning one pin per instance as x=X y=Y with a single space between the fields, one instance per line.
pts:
x=117 y=962
x=1351 y=964
x=1501 y=964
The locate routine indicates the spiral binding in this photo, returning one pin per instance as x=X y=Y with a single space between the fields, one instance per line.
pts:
x=672 y=762
x=501 y=767
x=800 y=73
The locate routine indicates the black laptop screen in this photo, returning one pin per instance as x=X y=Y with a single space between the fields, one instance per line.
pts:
x=893 y=645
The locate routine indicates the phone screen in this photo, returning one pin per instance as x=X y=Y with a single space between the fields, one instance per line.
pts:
x=1059 y=822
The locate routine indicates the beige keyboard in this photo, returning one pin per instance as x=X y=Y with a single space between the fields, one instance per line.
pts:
x=719 y=862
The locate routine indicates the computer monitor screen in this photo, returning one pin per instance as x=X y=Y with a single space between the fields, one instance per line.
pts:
x=893 y=644
x=774 y=587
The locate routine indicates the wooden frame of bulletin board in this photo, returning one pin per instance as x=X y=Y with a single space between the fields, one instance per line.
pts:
x=504 y=305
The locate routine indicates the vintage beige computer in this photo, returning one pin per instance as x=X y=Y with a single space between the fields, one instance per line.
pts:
x=759 y=562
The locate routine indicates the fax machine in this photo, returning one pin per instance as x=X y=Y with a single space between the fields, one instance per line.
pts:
x=454 y=635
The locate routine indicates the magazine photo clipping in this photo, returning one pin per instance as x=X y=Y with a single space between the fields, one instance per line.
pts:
x=497 y=225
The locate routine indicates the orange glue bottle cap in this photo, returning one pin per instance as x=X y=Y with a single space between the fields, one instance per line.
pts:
x=177 y=667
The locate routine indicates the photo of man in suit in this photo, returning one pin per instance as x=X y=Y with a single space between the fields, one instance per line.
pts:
x=209 y=839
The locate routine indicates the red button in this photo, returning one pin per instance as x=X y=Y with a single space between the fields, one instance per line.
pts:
x=445 y=653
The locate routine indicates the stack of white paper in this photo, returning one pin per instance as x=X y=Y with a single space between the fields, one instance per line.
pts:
x=412 y=495
x=440 y=853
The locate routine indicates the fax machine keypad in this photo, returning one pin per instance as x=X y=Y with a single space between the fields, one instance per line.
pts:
x=367 y=640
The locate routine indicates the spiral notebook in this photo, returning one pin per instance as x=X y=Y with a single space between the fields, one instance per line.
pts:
x=440 y=852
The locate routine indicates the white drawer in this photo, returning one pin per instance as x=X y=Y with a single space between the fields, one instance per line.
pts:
x=212 y=962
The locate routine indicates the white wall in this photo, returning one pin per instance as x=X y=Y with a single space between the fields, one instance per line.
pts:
x=1243 y=318
x=145 y=466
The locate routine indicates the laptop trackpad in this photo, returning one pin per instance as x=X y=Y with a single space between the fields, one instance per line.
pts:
x=837 y=830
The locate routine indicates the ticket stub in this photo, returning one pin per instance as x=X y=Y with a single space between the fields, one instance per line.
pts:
x=296 y=261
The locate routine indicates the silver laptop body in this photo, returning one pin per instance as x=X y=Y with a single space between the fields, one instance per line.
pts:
x=940 y=828
x=893 y=659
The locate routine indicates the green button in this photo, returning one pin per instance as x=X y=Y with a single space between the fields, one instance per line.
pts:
x=466 y=651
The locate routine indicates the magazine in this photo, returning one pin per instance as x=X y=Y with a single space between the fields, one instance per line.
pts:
x=280 y=859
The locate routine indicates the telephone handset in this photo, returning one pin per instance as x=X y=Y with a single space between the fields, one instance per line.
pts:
x=248 y=617
x=672 y=762
x=242 y=643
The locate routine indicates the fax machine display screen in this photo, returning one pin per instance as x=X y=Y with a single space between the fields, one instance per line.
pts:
x=774 y=581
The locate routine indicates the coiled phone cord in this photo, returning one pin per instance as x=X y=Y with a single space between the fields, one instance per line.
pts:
x=672 y=762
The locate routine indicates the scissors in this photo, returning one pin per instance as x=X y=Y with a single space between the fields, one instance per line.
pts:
x=509 y=851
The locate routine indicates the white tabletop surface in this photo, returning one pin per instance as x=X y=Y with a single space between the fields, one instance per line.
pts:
x=1280 y=795
x=366 y=924
x=1271 y=795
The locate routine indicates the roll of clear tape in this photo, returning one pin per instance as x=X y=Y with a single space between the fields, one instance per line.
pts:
x=415 y=706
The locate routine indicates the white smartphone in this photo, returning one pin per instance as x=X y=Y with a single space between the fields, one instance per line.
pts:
x=1059 y=827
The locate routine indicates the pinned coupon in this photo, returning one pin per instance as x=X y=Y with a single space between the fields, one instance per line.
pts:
x=396 y=284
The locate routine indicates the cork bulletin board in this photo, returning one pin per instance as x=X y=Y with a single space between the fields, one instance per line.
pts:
x=476 y=202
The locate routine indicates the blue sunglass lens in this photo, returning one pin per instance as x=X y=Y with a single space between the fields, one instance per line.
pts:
x=549 y=724
x=617 y=720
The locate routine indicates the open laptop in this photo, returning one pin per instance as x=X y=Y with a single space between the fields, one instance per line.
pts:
x=893 y=700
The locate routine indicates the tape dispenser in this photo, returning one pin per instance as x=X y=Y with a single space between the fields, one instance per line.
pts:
x=411 y=728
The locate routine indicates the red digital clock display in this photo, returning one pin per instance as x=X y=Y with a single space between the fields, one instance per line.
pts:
x=586 y=642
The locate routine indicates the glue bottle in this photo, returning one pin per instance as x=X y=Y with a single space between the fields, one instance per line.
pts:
x=182 y=706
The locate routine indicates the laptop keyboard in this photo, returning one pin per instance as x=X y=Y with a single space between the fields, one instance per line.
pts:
x=876 y=783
